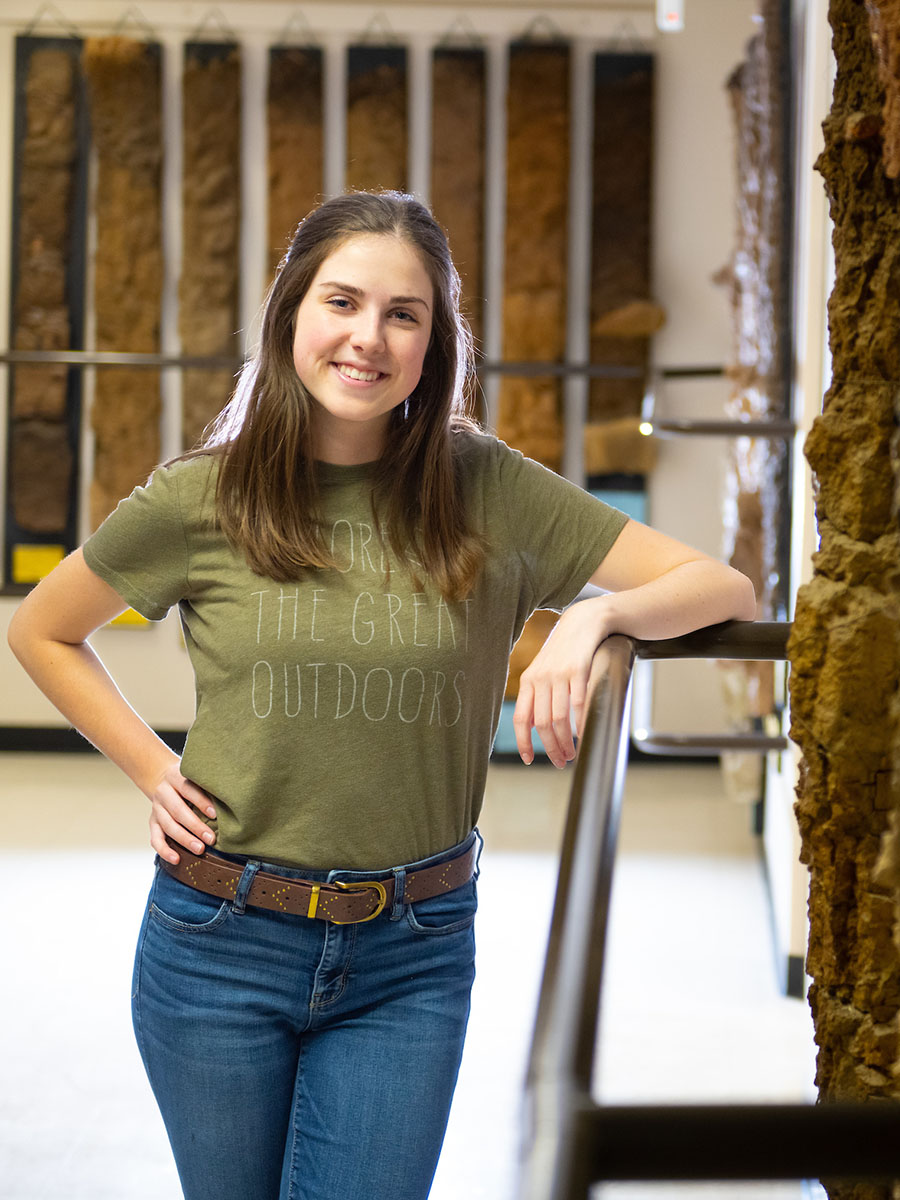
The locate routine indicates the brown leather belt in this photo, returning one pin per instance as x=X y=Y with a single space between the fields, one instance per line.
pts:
x=341 y=903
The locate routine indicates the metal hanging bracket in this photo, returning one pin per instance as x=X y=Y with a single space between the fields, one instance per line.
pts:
x=52 y=13
x=461 y=33
x=213 y=21
x=297 y=31
x=134 y=17
x=542 y=29
x=378 y=32
x=626 y=39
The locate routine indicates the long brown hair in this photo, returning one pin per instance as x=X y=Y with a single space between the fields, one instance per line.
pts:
x=267 y=497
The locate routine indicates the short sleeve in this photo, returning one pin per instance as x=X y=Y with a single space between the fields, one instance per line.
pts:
x=560 y=531
x=141 y=549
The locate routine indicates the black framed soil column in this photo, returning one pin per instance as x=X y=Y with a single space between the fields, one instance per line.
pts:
x=377 y=121
x=537 y=201
x=211 y=215
x=124 y=78
x=458 y=83
x=47 y=309
x=623 y=315
x=295 y=150
x=534 y=293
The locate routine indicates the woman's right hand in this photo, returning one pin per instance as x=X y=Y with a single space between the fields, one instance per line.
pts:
x=171 y=815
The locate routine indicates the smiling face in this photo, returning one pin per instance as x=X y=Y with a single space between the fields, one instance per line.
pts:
x=360 y=337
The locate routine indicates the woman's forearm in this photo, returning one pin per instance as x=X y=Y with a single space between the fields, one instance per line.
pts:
x=554 y=686
x=687 y=597
x=75 y=681
x=49 y=635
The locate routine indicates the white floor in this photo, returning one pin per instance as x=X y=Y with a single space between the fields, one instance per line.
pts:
x=692 y=1009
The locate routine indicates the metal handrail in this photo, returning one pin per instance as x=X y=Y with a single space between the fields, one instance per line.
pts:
x=559 y=1072
x=120 y=358
x=770 y=427
x=706 y=744
x=748 y=641
x=570 y=1141
x=126 y=358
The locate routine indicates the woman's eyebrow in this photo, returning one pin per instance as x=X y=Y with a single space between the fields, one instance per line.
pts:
x=355 y=291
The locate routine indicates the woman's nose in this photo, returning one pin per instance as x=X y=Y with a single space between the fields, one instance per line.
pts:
x=368 y=331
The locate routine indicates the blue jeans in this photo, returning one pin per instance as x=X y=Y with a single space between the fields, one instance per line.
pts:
x=294 y=1059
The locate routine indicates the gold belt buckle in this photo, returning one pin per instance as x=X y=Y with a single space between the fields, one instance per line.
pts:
x=363 y=887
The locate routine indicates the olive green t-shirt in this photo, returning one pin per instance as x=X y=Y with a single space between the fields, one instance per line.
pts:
x=346 y=720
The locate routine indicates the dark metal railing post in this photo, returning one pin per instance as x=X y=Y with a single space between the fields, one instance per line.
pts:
x=562 y=1055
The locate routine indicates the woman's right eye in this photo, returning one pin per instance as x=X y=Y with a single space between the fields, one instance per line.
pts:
x=339 y=302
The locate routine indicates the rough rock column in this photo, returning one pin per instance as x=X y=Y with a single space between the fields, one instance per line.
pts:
x=124 y=78
x=845 y=648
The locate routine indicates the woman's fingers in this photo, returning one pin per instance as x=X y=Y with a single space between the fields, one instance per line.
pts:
x=185 y=788
x=546 y=705
x=163 y=825
x=171 y=816
x=523 y=721
x=553 y=721
x=554 y=687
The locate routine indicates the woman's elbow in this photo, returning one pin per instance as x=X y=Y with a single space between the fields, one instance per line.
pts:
x=17 y=637
x=744 y=596
x=25 y=633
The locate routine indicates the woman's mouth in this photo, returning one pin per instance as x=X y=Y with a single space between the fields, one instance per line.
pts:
x=348 y=372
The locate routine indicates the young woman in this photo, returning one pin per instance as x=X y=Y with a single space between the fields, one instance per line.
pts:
x=353 y=562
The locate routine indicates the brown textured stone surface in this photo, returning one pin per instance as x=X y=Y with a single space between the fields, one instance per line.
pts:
x=534 y=303
x=845 y=648
x=295 y=149
x=41 y=315
x=376 y=118
x=124 y=79
x=211 y=214
x=621 y=222
x=884 y=22
x=457 y=167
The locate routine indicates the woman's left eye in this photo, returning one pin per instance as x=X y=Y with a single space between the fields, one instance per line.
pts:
x=405 y=316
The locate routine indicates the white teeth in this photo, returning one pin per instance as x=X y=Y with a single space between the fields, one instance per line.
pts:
x=352 y=373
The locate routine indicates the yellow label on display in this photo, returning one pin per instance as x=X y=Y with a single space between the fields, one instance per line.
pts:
x=31 y=563
x=130 y=617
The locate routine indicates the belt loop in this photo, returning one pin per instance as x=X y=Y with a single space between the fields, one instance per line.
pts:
x=477 y=870
x=244 y=884
x=399 y=888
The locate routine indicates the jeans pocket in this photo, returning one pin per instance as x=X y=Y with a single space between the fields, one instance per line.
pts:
x=184 y=909
x=448 y=912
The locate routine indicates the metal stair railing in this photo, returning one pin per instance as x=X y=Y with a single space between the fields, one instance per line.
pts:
x=570 y=1140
